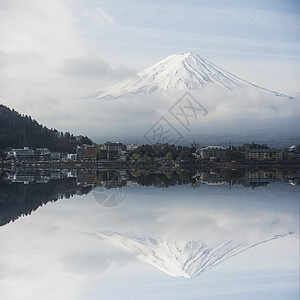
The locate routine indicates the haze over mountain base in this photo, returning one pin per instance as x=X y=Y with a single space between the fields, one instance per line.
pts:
x=239 y=116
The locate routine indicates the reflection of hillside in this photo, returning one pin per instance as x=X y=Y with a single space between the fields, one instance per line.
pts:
x=18 y=199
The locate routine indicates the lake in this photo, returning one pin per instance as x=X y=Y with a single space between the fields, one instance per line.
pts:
x=81 y=235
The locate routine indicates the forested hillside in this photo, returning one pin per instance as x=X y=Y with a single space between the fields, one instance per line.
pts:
x=18 y=131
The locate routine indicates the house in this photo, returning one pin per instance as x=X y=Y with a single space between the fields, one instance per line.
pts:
x=264 y=154
x=90 y=152
x=55 y=155
x=23 y=154
x=43 y=154
x=79 y=152
x=215 y=153
x=132 y=147
x=72 y=156
x=111 y=150
x=87 y=152
x=195 y=145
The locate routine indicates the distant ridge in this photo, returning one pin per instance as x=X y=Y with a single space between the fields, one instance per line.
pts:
x=180 y=72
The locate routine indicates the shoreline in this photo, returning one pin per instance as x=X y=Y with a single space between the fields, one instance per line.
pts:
x=171 y=165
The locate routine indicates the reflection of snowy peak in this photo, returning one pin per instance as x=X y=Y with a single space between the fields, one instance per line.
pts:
x=179 y=258
x=179 y=72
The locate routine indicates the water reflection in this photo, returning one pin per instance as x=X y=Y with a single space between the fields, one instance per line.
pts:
x=180 y=258
x=108 y=197
x=25 y=190
x=119 y=234
x=22 y=196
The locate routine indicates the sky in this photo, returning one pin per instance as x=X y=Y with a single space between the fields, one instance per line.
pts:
x=55 y=56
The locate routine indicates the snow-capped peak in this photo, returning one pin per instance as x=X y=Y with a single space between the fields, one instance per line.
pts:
x=178 y=258
x=179 y=72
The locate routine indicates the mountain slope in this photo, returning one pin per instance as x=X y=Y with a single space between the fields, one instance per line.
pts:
x=18 y=131
x=180 y=72
x=186 y=259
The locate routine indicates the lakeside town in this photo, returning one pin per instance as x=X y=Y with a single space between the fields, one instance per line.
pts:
x=117 y=153
x=115 y=165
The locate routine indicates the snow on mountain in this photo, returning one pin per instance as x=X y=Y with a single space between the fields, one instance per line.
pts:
x=179 y=72
x=179 y=258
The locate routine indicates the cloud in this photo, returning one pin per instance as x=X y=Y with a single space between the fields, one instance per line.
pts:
x=90 y=66
x=35 y=39
x=89 y=262
x=228 y=113
x=33 y=27
x=99 y=16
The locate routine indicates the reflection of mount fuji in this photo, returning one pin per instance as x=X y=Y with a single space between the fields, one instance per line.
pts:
x=179 y=258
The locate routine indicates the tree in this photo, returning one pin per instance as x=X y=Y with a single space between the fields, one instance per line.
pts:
x=169 y=156
x=136 y=157
x=85 y=140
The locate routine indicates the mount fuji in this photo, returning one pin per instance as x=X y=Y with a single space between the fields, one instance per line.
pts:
x=179 y=258
x=180 y=72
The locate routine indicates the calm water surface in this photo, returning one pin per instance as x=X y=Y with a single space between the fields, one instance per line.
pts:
x=135 y=242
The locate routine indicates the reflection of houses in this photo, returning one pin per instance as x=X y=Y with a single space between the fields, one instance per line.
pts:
x=40 y=175
x=263 y=176
x=55 y=175
x=113 y=180
x=21 y=178
x=28 y=177
x=216 y=153
x=263 y=154
x=212 y=177
x=91 y=179
x=132 y=183
x=109 y=179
